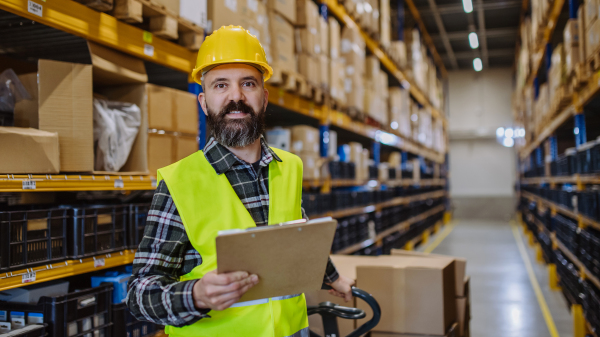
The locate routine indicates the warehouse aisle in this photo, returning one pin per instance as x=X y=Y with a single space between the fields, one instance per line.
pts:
x=503 y=300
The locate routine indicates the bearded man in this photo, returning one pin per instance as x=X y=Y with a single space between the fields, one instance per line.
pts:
x=237 y=181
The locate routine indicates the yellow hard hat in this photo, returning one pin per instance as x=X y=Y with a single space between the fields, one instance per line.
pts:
x=231 y=44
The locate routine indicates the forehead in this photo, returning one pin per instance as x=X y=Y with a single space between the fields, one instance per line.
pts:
x=232 y=71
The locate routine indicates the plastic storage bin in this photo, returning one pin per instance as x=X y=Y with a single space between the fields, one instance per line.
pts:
x=138 y=213
x=81 y=313
x=32 y=238
x=96 y=230
x=125 y=325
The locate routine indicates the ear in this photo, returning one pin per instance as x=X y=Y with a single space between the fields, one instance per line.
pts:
x=266 y=100
x=202 y=101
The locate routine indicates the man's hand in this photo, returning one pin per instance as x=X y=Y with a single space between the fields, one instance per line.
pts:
x=220 y=291
x=342 y=287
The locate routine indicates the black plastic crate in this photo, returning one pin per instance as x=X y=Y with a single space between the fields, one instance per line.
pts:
x=125 y=325
x=583 y=158
x=97 y=230
x=32 y=238
x=33 y=330
x=78 y=313
x=569 y=277
x=138 y=213
x=587 y=203
x=591 y=305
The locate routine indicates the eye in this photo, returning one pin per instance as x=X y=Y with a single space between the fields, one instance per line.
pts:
x=248 y=84
x=220 y=86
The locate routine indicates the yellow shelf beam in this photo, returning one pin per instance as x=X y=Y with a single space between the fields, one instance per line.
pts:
x=401 y=226
x=77 y=19
x=58 y=183
x=340 y=12
x=585 y=95
x=547 y=35
x=575 y=179
x=548 y=130
x=68 y=268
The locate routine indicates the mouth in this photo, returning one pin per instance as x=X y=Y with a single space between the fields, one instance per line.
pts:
x=236 y=114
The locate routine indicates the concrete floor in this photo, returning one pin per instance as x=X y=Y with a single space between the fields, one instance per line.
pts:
x=503 y=301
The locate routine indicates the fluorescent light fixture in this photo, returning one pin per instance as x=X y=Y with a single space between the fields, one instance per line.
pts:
x=477 y=65
x=508 y=142
x=468 y=6
x=473 y=40
x=509 y=133
x=500 y=132
x=394 y=125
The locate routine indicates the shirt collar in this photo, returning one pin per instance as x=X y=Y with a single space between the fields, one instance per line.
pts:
x=222 y=160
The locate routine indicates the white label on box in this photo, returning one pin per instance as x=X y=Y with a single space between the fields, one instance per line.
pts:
x=149 y=50
x=253 y=5
x=5 y=327
x=28 y=277
x=99 y=263
x=298 y=145
x=28 y=185
x=35 y=318
x=119 y=183
x=35 y=8
x=153 y=182
x=231 y=4
x=18 y=323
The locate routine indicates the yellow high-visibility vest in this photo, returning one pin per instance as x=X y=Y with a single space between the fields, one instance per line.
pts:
x=207 y=204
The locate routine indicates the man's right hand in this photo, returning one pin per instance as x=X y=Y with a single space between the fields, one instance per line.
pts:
x=220 y=291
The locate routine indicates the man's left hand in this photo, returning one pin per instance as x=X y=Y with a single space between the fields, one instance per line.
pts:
x=342 y=287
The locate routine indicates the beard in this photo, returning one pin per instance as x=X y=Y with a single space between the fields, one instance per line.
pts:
x=238 y=132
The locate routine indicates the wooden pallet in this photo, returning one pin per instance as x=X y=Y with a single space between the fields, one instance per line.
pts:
x=337 y=105
x=159 y=21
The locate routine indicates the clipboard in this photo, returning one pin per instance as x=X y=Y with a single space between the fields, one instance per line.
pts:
x=289 y=258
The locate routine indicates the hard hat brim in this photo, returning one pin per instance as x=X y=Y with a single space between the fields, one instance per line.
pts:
x=267 y=70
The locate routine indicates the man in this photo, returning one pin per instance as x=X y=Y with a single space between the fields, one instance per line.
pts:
x=237 y=181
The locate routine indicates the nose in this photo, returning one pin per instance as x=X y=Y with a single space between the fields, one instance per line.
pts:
x=236 y=93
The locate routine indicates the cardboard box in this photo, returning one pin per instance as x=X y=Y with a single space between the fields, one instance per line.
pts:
x=195 y=11
x=590 y=12
x=222 y=13
x=581 y=32
x=395 y=159
x=62 y=103
x=185 y=146
x=460 y=265
x=282 y=42
x=373 y=68
x=305 y=140
x=461 y=314
x=416 y=295
x=385 y=29
x=308 y=66
x=287 y=8
x=571 y=33
x=161 y=114
x=170 y=5
x=335 y=37
x=279 y=138
x=185 y=105
x=355 y=89
x=310 y=163
x=356 y=150
x=336 y=82
x=306 y=41
x=323 y=32
x=307 y=14
x=452 y=332
x=30 y=151
x=399 y=105
x=161 y=151
x=324 y=70
x=353 y=50
x=593 y=38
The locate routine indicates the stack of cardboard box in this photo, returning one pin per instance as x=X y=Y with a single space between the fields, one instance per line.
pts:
x=418 y=294
x=305 y=142
x=557 y=75
x=376 y=91
x=571 y=43
x=172 y=124
x=357 y=157
x=312 y=36
x=425 y=136
x=400 y=106
x=353 y=55
x=591 y=26
x=337 y=72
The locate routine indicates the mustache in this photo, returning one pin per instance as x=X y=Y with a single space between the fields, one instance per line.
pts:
x=237 y=106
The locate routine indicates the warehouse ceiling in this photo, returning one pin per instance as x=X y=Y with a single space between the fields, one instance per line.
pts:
x=495 y=22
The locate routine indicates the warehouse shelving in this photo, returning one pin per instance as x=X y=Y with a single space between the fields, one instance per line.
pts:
x=558 y=244
x=548 y=130
x=340 y=12
x=70 y=182
x=560 y=209
x=377 y=207
x=575 y=179
x=65 y=269
x=547 y=36
x=585 y=95
x=398 y=227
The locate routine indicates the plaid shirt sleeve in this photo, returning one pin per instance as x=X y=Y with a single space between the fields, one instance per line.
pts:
x=164 y=254
x=331 y=273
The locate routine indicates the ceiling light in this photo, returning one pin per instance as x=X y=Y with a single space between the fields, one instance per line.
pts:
x=500 y=132
x=508 y=142
x=468 y=6
x=477 y=65
x=509 y=133
x=473 y=40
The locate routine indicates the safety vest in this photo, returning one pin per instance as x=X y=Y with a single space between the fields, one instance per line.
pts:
x=207 y=204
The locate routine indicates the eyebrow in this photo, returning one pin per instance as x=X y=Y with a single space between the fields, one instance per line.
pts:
x=249 y=78
x=221 y=79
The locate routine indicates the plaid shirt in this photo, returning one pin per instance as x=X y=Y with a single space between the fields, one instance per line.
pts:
x=155 y=293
